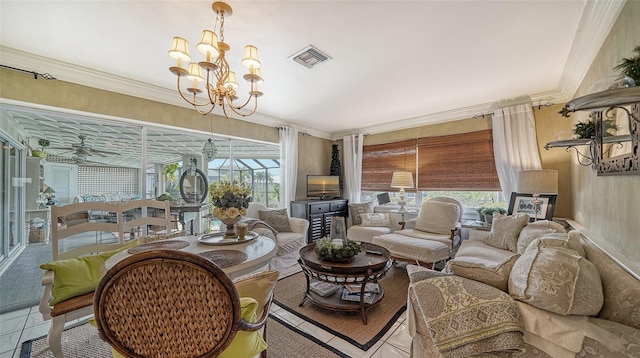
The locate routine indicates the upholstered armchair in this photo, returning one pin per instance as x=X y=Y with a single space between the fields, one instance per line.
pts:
x=430 y=238
x=364 y=223
x=290 y=234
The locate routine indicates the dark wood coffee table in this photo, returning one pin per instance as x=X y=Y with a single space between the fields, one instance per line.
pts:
x=364 y=267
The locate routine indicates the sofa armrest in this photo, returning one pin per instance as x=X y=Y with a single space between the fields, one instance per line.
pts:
x=299 y=225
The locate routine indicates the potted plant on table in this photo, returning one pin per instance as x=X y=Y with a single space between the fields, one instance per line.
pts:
x=489 y=211
x=480 y=214
x=229 y=201
x=336 y=250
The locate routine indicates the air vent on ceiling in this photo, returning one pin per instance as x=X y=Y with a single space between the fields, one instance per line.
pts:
x=310 y=56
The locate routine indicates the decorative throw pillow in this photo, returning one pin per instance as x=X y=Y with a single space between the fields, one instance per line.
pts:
x=257 y=286
x=355 y=209
x=481 y=262
x=570 y=240
x=246 y=343
x=558 y=280
x=375 y=219
x=535 y=230
x=77 y=276
x=505 y=231
x=437 y=217
x=277 y=219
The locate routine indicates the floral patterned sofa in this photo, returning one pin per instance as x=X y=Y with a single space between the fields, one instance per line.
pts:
x=562 y=297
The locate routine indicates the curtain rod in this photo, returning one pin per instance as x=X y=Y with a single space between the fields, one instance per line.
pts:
x=46 y=76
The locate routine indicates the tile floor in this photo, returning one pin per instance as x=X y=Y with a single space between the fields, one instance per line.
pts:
x=22 y=325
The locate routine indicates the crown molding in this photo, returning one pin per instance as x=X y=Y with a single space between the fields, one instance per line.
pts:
x=596 y=21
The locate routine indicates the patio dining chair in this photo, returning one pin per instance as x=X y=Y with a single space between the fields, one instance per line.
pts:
x=75 y=270
x=170 y=303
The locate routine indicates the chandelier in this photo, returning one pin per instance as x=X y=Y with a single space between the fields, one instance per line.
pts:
x=220 y=84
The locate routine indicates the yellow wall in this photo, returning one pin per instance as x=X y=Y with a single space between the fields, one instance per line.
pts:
x=609 y=206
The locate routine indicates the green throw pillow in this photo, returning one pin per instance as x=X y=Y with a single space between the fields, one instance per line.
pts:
x=77 y=276
x=246 y=343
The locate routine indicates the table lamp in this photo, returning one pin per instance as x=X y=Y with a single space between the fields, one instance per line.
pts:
x=536 y=182
x=402 y=180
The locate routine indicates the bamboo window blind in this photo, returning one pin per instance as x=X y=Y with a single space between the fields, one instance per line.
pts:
x=454 y=162
x=457 y=162
x=379 y=161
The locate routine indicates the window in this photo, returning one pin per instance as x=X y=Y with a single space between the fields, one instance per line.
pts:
x=459 y=166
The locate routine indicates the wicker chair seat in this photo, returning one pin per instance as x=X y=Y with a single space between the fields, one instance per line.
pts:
x=72 y=304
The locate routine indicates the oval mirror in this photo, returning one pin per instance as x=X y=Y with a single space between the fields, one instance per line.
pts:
x=193 y=188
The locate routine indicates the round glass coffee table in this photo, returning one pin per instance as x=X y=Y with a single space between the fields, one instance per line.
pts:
x=351 y=278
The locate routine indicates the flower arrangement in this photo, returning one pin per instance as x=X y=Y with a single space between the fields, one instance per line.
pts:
x=229 y=199
x=330 y=250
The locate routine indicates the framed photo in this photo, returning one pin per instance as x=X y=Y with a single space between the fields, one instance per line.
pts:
x=523 y=204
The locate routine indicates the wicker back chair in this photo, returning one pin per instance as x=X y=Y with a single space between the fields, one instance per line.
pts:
x=167 y=303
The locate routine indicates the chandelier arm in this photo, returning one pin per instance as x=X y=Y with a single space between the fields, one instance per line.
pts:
x=255 y=107
x=242 y=106
x=194 y=103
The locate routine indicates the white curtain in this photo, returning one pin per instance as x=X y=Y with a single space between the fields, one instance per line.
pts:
x=288 y=165
x=514 y=142
x=352 y=167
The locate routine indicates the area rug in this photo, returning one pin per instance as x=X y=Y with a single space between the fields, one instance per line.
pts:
x=289 y=292
x=83 y=342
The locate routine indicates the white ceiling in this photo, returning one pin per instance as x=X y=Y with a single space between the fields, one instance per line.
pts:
x=394 y=64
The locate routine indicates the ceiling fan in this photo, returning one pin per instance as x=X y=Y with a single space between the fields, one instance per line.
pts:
x=82 y=150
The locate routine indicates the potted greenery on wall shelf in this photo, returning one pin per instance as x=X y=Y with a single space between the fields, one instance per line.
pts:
x=587 y=130
x=631 y=66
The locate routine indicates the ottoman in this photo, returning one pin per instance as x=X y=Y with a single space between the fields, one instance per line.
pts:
x=413 y=249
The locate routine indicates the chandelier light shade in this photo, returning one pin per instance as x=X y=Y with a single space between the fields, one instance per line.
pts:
x=219 y=81
x=402 y=180
x=209 y=150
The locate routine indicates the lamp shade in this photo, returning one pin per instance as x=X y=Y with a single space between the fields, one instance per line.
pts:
x=208 y=45
x=538 y=182
x=402 y=180
x=180 y=49
x=250 y=58
x=195 y=73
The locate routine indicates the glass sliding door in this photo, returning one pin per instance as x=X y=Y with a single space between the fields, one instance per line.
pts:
x=11 y=198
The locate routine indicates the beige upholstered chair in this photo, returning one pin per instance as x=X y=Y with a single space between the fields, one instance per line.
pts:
x=169 y=303
x=68 y=222
x=428 y=239
x=289 y=242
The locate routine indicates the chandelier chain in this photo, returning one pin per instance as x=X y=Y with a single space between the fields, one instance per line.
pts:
x=221 y=14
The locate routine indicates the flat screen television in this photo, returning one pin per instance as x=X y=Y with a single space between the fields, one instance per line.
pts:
x=323 y=186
